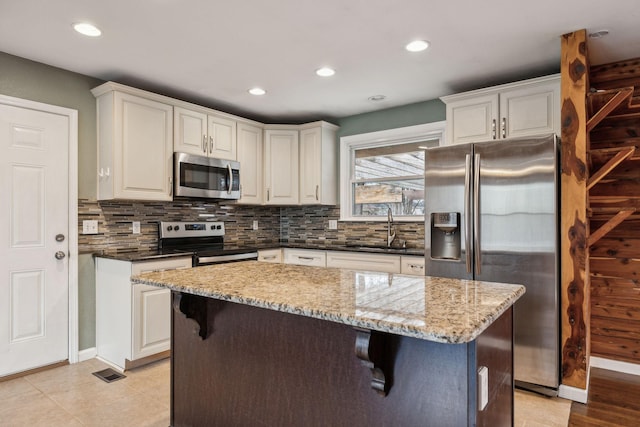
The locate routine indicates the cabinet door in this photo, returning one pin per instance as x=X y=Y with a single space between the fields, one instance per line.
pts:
x=143 y=149
x=310 y=166
x=281 y=167
x=362 y=261
x=472 y=120
x=531 y=110
x=222 y=138
x=305 y=257
x=412 y=265
x=190 y=131
x=151 y=320
x=250 y=158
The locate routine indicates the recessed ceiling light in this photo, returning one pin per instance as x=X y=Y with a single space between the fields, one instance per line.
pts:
x=325 y=72
x=417 y=46
x=376 y=98
x=598 y=34
x=257 y=91
x=87 y=29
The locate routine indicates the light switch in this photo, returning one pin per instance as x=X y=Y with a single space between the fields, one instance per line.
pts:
x=255 y=225
x=333 y=224
x=135 y=227
x=90 y=226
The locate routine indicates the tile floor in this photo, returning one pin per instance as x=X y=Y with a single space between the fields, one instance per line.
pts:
x=70 y=396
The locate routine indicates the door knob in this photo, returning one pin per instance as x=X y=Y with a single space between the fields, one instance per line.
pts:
x=59 y=255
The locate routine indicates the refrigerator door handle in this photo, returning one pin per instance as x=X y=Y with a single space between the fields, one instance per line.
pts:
x=467 y=210
x=476 y=213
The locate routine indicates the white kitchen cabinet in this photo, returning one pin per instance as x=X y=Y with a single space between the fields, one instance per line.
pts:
x=133 y=322
x=281 y=166
x=526 y=108
x=309 y=257
x=135 y=145
x=270 y=255
x=251 y=167
x=200 y=131
x=412 y=265
x=364 y=261
x=318 y=164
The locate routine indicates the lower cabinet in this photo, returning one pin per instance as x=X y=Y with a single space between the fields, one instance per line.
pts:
x=309 y=257
x=133 y=322
x=364 y=261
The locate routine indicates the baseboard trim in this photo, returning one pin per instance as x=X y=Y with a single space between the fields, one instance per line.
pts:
x=614 y=365
x=87 y=353
x=573 y=393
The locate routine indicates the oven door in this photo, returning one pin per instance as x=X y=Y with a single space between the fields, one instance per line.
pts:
x=199 y=176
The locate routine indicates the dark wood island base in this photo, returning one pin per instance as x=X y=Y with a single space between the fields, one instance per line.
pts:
x=237 y=365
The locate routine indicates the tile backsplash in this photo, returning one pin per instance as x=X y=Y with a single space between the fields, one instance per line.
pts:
x=306 y=225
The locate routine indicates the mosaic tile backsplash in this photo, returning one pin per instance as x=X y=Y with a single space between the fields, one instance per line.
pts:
x=300 y=225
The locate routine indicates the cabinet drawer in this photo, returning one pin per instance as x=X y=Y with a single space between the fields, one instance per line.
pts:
x=413 y=265
x=270 y=255
x=361 y=261
x=305 y=257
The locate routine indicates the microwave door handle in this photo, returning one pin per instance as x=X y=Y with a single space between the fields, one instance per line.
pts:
x=230 y=171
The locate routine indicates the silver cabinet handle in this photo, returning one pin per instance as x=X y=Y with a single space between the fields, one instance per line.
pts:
x=267 y=194
x=416 y=266
x=467 y=211
x=230 y=171
x=305 y=258
x=476 y=212
x=504 y=127
x=59 y=255
x=210 y=144
x=317 y=188
x=204 y=144
x=269 y=257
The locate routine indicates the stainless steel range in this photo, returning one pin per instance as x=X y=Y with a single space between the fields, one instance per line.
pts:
x=204 y=239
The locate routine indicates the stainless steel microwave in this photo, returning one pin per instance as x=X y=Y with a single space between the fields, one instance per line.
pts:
x=200 y=176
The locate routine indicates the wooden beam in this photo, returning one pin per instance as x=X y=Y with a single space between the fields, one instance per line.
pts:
x=574 y=255
x=617 y=99
x=609 y=225
x=608 y=167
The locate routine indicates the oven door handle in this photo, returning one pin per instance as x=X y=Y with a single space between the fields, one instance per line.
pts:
x=225 y=258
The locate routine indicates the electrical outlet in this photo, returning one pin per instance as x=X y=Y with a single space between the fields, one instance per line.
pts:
x=90 y=226
x=333 y=224
x=255 y=225
x=135 y=227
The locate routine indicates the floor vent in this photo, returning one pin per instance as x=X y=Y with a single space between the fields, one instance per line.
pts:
x=109 y=375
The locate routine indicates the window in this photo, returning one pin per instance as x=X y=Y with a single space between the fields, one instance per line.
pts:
x=385 y=170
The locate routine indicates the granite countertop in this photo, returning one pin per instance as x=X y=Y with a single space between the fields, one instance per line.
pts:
x=355 y=247
x=430 y=308
x=144 y=255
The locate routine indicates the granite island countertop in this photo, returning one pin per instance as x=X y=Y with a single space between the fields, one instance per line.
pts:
x=431 y=308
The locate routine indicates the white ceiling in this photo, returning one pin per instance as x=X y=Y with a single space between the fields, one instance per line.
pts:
x=212 y=51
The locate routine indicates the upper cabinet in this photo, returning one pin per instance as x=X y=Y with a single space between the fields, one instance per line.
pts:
x=135 y=145
x=530 y=107
x=318 y=164
x=281 y=166
x=250 y=158
x=198 y=131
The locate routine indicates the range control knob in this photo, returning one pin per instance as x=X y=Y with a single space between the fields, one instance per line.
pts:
x=213 y=227
x=169 y=228
x=177 y=227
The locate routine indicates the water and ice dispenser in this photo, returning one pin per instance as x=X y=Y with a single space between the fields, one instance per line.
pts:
x=445 y=235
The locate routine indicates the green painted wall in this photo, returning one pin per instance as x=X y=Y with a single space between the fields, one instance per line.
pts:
x=391 y=118
x=35 y=81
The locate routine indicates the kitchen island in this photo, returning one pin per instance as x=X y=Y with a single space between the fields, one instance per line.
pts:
x=277 y=345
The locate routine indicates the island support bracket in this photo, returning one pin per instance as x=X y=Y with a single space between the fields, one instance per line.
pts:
x=363 y=352
x=194 y=308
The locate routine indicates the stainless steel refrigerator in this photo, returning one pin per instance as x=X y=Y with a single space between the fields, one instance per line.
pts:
x=492 y=215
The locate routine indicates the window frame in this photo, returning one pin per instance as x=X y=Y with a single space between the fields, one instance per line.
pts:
x=348 y=145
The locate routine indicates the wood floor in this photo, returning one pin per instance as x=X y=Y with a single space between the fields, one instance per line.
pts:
x=614 y=400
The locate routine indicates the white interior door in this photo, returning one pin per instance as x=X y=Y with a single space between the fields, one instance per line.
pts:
x=34 y=238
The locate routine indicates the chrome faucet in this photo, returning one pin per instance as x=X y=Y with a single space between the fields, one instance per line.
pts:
x=390 y=236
